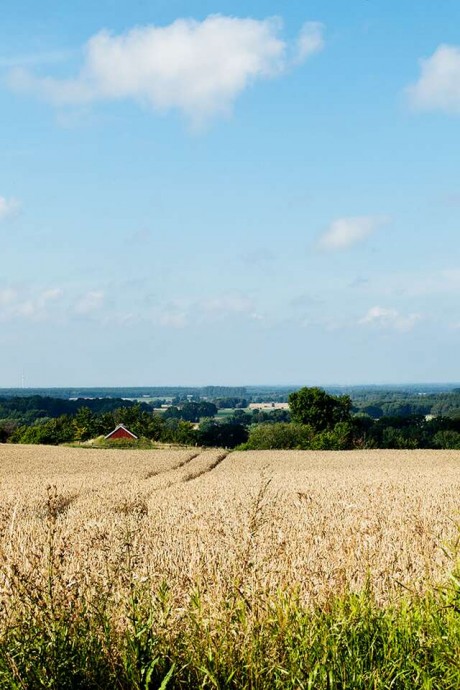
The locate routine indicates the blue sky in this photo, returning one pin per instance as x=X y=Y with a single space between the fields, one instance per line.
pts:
x=229 y=193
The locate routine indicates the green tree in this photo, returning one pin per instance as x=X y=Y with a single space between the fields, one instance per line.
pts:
x=320 y=410
x=178 y=431
x=84 y=424
x=191 y=411
x=221 y=434
x=53 y=432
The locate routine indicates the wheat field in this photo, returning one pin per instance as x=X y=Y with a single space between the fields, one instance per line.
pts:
x=323 y=522
x=203 y=568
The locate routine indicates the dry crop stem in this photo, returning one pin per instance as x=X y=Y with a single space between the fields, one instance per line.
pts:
x=316 y=522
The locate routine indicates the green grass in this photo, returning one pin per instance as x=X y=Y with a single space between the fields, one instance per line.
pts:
x=247 y=642
x=224 y=412
x=122 y=443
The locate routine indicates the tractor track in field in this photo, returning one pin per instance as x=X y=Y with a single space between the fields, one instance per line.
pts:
x=157 y=473
x=178 y=477
x=220 y=458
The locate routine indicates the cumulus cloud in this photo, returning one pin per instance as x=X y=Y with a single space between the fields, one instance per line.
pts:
x=196 y=67
x=8 y=207
x=389 y=319
x=346 y=232
x=438 y=87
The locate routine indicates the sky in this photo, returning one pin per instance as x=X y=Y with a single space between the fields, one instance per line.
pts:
x=229 y=193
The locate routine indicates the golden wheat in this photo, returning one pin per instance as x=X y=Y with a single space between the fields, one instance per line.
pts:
x=321 y=522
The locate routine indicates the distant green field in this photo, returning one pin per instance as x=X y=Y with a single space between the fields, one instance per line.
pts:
x=225 y=412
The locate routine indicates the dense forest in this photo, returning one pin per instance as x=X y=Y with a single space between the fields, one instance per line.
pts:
x=315 y=419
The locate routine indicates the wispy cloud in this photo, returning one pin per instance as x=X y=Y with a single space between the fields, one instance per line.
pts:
x=27 y=304
x=305 y=300
x=8 y=207
x=359 y=282
x=418 y=284
x=198 y=68
x=309 y=41
x=389 y=319
x=438 y=87
x=183 y=312
x=173 y=319
x=35 y=59
x=344 y=233
x=260 y=257
x=7 y=297
x=227 y=304
x=90 y=302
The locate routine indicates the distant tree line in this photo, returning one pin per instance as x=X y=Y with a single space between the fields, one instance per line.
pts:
x=35 y=406
x=320 y=421
x=191 y=411
x=86 y=424
x=406 y=403
x=315 y=420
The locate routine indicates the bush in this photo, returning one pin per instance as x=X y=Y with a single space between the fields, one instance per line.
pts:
x=279 y=435
x=447 y=439
x=340 y=438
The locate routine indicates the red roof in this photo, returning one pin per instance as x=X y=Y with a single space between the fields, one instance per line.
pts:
x=120 y=431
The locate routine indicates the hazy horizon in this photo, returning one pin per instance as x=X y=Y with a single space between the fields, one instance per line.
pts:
x=249 y=386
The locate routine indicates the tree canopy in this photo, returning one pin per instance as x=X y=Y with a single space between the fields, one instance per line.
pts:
x=320 y=410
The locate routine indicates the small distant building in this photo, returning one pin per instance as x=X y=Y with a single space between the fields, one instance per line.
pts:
x=120 y=431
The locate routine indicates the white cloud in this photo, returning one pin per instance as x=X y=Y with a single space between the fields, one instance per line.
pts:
x=27 y=303
x=228 y=304
x=180 y=313
x=89 y=302
x=7 y=296
x=176 y=320
x=438 y=87
x=389 y=319
x=346 y=232
x=8 y=207
x=196 y=67
x=52 y=294
x=232 y=304
x=309 y=41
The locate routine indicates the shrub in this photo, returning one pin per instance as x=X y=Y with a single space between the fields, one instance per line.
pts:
x=281 y=435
